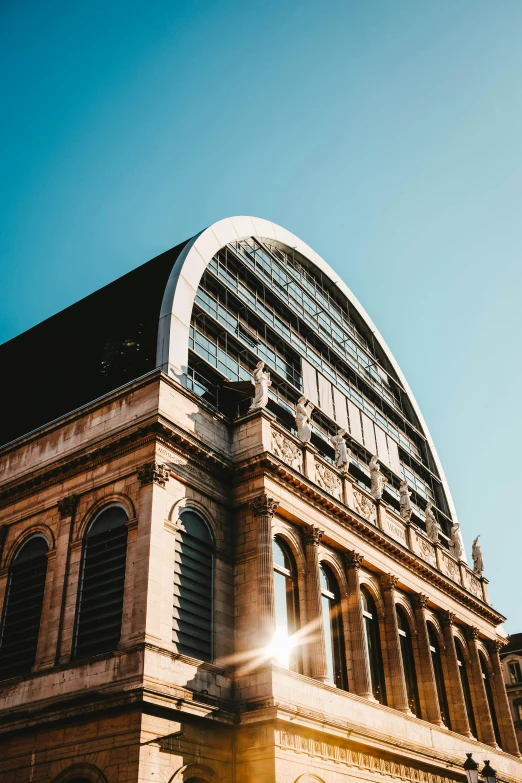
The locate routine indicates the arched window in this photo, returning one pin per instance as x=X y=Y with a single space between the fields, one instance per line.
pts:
x=408 y=661
x=439 y=676
x=373 y=645
x=489 y=695
x=333 y=628
x=193 y=587
x=102 y=580
x=23 y=608
x=286 y=605
x=461 y=661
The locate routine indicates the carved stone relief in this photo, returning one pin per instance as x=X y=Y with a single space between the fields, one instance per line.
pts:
x=424 y=548
x=449 y=567
x=328 y=480
x=287 y=450
x=364 y=506
x=395 y=529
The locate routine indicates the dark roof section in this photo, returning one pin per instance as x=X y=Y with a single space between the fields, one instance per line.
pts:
x=87 y=350
x=514 y=645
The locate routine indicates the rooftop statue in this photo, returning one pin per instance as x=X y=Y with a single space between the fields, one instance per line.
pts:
x=341 y=450
x=476 y=553
x=378 y=480
x=262 y=382
x=456 y=543
x=405 y=502
x=432 y=525
x=303 y=413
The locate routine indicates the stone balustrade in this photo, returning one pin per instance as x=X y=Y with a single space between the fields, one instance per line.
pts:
x=305 y=459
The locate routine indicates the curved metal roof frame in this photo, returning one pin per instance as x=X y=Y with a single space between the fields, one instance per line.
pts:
x=182 y=285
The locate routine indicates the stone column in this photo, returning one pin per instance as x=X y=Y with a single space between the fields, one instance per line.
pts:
x=264 y=508
x=42 y=657
x=456 y=702
x=128 y=590
x=51 y=650
x=428 y=686
x=396 y=679
x=361 y=666
x=317 y=657
x=508 y=736
x=485 y=730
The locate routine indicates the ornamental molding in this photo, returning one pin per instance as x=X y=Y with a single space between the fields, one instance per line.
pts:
x=447 y=618
x=67 y=506
x=264 y=506
x=313 y=535
x=471 y=633
x=287 y=450
x=153 y=473
x=388 y=581
x=328 y=480
x=420 y=601
x=338 y=754
x=353 y=559
x=496 y=645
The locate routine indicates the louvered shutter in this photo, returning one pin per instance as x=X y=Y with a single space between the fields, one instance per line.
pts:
x=23 y=609
x=100 y=600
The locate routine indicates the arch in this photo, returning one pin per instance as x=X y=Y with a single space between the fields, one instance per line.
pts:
x=193 y=601
x=186 y=274
x=80 y=772
x=463 y=661
x=402 y=601
x=372 y=631
x=291 y=537
x=334 y=561
x=99 y=608
x=194 y=770
x=408 y=659
x=25 y=535
x=21 y=616
x=201 y=508
x=307 y=778
x=333 y=625
x=374 y=588
x=436 y=647
x=113 y=499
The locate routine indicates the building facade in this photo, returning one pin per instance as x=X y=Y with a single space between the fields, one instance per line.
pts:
x=207 y=579
x=511 y=657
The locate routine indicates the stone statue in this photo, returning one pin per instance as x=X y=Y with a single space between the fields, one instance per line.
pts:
x=378 y=480
x=303 y=413
x=456 y=543
x=432 y=525
x=476 y=553
x=341 y=450
x=262 y=382
x=405 y=502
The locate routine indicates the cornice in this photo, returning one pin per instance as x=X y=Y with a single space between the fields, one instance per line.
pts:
x=268 y=463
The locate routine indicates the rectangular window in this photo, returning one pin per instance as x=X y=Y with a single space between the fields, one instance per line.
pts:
x=515 y=674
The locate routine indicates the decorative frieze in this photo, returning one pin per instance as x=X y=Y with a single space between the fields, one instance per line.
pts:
x=424 y=548
x=473 y=584
x=353 y=758
x=449 y=567
x=395 y=529
x=153 y=473
x=328 y=480
x=287 y=450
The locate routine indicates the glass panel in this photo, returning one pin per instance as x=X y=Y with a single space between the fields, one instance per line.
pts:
x=373 y=646
x=489 y=695
x=439 y=676
x=465 y=687
x=408 y=662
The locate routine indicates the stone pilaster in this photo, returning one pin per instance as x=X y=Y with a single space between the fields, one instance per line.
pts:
x=126 y=619
x=263 y=509
x=361 y=666
x=456 y=702
x=485 y=730
x=428 y=686
x=504 y=717
x=396 y=685
x=317 y=656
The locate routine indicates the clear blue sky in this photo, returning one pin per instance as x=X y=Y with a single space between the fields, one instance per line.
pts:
x=385 y=133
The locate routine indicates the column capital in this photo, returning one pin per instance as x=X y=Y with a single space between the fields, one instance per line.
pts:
x=420 y=601
x=447 y=618
x=471 y=633
x=388 y=581
x=495 y=645
x=153 y=473
x=353 y=560
x=313 y=535
x=67 y=506
x=264 y=505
